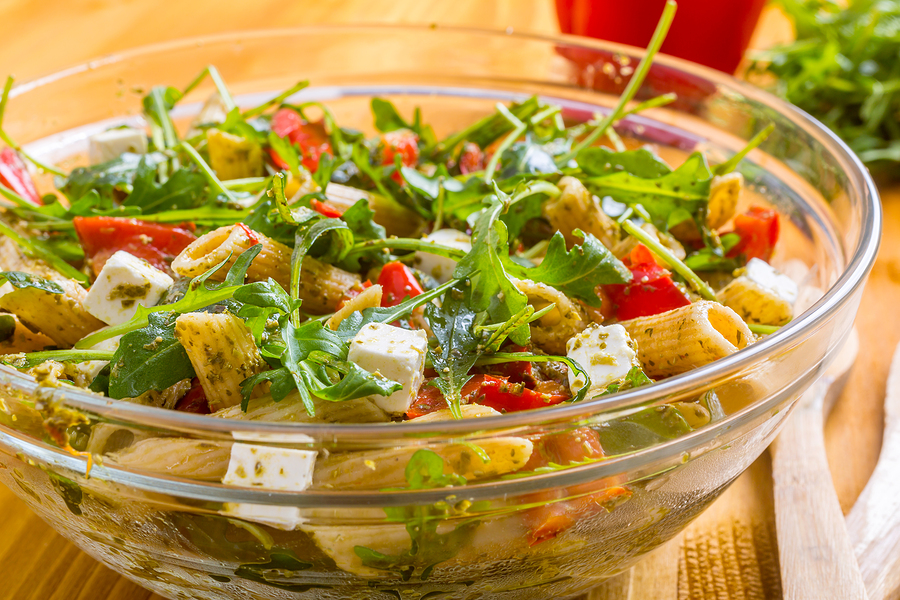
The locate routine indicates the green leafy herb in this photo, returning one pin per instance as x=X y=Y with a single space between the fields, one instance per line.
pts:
x=643 y=429
x=69 y=491
x=148 y=359
x=185 y=189
x=453 y=326
x=640 y=163
x=633 y=379
x=110 y=177
x=21 y=280
x=283 y=563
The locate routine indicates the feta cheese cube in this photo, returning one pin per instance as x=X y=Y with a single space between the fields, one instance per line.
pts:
x=265 y=467
x=766 y=276
x=111 y=144
x=606 y=353
x=395 y=353
x=441 y=267
x=124 y=283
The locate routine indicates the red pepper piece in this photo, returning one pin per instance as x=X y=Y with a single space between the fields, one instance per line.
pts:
x=471 y=159
x=505 y=396
x=325 y=209
x=195 y=400
x=397 y=282
x=758 y=230
x=404 y=143
x=14 y=175
x=650 y=292
x=158 y=244
x=311 y=139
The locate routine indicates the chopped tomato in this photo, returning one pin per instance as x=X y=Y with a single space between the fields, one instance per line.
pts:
x=310 y=138
x=428 y=400
x=158 y=244
x=404 y=143
x=471 y=159
x=556 y=515
x=325 y=209
x=195 y=400
x=758 y=230
x=650 y=292
x=14 y=175
x=397 y=282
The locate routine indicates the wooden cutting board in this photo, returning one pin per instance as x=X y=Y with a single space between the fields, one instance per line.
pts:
x=728 y=553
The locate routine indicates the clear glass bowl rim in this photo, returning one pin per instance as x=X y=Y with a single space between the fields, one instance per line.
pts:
x=861 y=191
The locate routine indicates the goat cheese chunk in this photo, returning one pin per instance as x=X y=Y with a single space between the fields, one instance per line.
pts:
x=124 y=283
x=441 y=267
x=607 y=353
x=760 y=294
x=112 y=144
x=395 y=353
x=265 y=467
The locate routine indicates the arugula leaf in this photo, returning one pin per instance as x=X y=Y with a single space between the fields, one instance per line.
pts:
x=453 y=326
x=148 y=359
x=183 y=190
x=633 y=379
x=491 y=287
x=199 y=295
x=428 y=548
x=576 y=272
x=526 y=158
x=640 y=163
x=712 y=259
x=387 y=118
x=283 y=563
x=485 y=131
x=643 y=429
x=21 y=280
x=670 y=199
x=109 y=177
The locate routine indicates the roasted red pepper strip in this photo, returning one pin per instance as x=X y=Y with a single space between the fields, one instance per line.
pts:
x=758 y=230
x=650 y=292
x=397 y=282
x=195 y=400
x=311 y=139
x=325 y=209
x=101 y=237
x=504 y=396
x=14 y=175
x=549 y=520
x=404 y=143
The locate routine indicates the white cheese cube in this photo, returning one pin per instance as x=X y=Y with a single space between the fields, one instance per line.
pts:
x=766 y=276
x=114 y=143
x=124 y=283
x=395 y=353
x=441 y=267
x=265 y=467
x=606 y=353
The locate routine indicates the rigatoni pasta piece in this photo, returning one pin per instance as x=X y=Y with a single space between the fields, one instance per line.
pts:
x=321 y=286
x=724 y=195
x=760 y=294
x=233 y=157
x=393 y=216
x=223 y=353
x=179 y=457
x=577 y=208
x=292 y=410
x=688 y=337
x=13 y=259
x=468 y=411
x=553 y=330
x=376 y=469
x=61 y=317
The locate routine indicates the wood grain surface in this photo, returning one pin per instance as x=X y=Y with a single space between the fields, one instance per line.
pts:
x=729 y=553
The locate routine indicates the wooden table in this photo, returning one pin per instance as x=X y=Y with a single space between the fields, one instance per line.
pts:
x=38 y=38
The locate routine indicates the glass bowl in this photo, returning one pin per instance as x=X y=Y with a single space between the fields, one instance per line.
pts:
x=173 y=529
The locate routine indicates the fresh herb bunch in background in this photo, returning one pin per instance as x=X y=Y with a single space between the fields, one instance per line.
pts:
x=843 y=69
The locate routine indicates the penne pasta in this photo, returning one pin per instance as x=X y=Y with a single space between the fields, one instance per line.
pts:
x=178 y=457
x=760 y=294
x=223 y=354
x=577 y=208
x=61 y=317
x=553 y=330
x=376 y=469
x=233 y=157
x=292 y=410
x=394 y=217
x=321 y=286
x=468 y=411
x=685 y=338
x=724 y=195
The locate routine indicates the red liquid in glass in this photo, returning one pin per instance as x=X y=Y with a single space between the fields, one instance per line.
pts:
x=710 y=32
